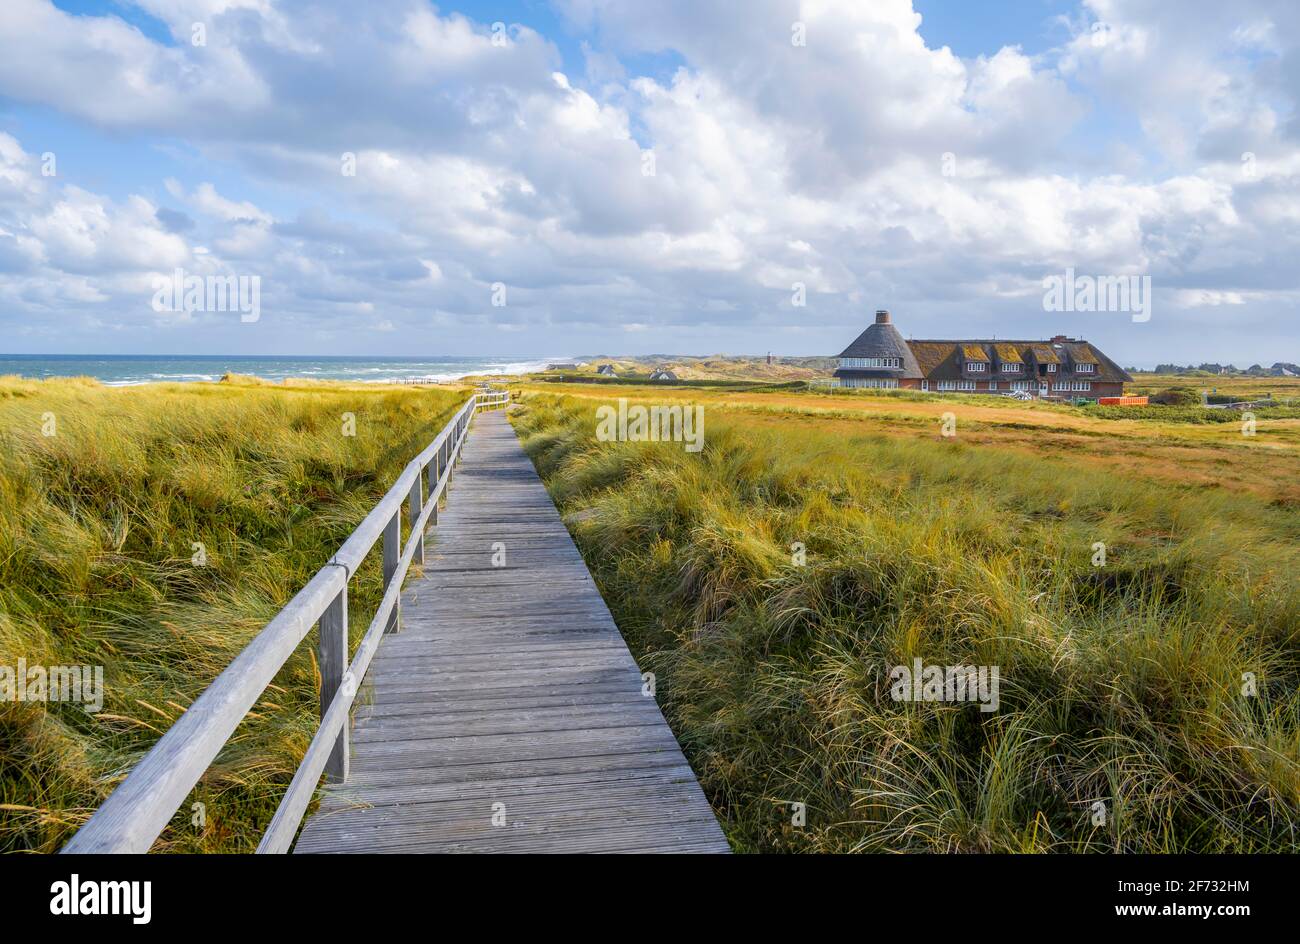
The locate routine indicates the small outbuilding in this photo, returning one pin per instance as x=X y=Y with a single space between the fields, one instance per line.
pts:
x=606 y=370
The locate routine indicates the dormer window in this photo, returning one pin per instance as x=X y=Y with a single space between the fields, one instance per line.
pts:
x=1051 y=368
x=1008 y=368
x=1085 y=368
x=976 y=367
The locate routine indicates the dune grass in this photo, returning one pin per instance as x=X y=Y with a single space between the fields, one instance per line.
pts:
x=100 y=526
x=1121 y=685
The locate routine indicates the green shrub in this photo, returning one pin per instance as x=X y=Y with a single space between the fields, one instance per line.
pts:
x=1176 y=396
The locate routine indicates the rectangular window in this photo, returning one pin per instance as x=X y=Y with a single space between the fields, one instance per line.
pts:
x=956 y=385
x=993 y=385
x=1076 y=386
x=1085 y=368
x=1009 y=368
x=1051 y=368
x=1022 y=385
x=976 y=367
x=868 y=382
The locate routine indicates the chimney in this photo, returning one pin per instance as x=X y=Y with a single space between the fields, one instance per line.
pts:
x=882 y=316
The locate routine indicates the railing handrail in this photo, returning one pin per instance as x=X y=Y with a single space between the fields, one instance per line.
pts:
x=136 y=813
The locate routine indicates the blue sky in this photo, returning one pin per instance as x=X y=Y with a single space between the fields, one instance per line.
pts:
x=646 y=177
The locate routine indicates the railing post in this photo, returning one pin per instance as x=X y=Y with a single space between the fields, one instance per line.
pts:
x=415 y=506
x=434 y=475
x=333 y=659
x=393 y=551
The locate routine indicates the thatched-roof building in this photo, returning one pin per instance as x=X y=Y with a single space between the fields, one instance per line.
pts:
x=1060 y=367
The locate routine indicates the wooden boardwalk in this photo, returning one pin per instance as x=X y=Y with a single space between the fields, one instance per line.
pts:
x=507 y=714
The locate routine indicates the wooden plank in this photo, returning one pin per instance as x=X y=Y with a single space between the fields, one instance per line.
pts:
x=506 y=714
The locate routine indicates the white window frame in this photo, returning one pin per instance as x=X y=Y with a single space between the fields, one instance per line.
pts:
x=873 y=382
x=871 y=363
x=1085 y=368
x=1008 y=367
x=1051 y=368
x=976 y=367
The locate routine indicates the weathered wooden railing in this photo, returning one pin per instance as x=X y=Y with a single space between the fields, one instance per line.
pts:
x=137 y=811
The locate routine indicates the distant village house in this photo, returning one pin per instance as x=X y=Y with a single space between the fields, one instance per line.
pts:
x=1057 y=368
x=663 y=373
x=606 y=370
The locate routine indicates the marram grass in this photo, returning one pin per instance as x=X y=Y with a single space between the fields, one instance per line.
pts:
x=1122 y=724
x=99 y=528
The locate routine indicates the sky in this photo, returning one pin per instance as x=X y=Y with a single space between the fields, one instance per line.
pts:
x=613 y=176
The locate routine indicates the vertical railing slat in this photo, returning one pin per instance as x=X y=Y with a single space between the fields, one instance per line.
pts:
x=393 y=551
x=434 y=475
x=416 y=505
x=333 y=658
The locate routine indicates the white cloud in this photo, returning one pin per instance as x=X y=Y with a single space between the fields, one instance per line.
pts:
x=477 y=162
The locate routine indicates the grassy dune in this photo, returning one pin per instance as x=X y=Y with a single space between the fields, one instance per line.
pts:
x=1210 y=455
x=98 y=527
x=1120 y=684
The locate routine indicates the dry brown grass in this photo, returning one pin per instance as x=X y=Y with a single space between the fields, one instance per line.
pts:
x=1209 y=456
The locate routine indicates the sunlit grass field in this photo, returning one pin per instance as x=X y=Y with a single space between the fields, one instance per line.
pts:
x=1125 y=720
x=1120 y=685
x=105 y=498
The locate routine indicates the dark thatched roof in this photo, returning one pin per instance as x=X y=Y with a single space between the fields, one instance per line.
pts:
x=942 y=360
x=881 y=340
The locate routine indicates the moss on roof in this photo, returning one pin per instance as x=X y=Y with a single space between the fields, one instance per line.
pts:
x=941 y=360
x=930 y=354
x=974 y=352
x=1082 y=354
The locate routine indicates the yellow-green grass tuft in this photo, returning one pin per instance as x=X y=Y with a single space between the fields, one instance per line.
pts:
x=101 y=518
x=1120 y=685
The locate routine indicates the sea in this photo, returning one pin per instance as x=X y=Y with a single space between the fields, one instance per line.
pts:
x=127 y=369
